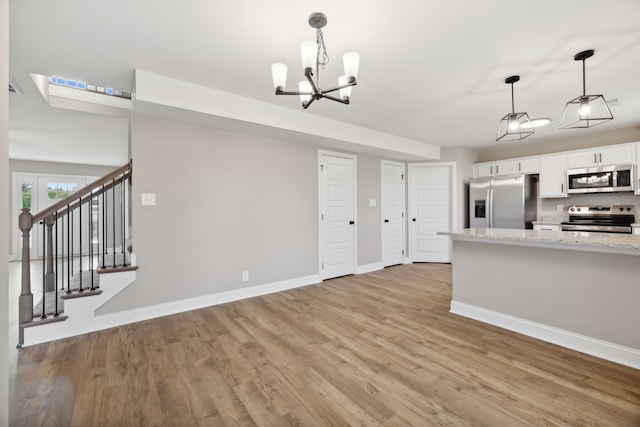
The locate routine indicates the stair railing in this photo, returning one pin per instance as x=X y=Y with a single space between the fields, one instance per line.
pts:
x=58 y=240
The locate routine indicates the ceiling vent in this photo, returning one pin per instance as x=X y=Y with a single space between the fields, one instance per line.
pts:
x=13 y=87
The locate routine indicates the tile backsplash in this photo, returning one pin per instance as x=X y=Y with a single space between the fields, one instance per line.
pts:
x=547 y=211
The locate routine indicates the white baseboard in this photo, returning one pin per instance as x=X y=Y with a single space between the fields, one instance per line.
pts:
x=407 y=260
x=82 y=318
x=603 y=349
x=129 y=316
x=368 y=268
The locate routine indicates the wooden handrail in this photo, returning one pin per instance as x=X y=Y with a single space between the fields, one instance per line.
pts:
x=107 y=179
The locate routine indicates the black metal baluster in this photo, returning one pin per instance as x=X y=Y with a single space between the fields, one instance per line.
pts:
x=122 y=220
x=104 y=227
x=55 y=313
x=80 y=239
x=91 y=239
x=44 y=267
x=69 y=249
x=113 y=217
x=62 y=256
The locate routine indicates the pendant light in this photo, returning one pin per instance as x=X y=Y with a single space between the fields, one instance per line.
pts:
x=514 y=126
x=586 y=110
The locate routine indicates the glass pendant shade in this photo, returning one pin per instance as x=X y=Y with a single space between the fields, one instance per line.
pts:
x=351 y=62
x=514 y=126
x=279 y=73
x=309 y=53
x=305 y=88
x=585 y=111
x=345 y=92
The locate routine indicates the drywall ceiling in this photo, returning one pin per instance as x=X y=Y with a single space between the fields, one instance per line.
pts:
x=431 y=71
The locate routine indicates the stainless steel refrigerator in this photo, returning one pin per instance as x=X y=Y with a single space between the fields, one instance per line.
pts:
x=509 y=201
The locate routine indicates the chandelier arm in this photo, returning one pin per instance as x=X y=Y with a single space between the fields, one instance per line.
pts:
x=282 y=92
x=333 y=98
x=308 y=74
x=333 y=89
x=305 y=106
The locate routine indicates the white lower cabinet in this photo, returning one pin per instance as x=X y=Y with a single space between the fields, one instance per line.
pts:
x=546 y=227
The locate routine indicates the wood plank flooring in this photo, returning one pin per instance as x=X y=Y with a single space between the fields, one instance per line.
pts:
x=378 y=349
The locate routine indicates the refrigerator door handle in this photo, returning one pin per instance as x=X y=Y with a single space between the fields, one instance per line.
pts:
x=490 y=208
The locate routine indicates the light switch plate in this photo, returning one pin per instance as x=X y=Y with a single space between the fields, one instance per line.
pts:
x=148 y=199
x=373 y=203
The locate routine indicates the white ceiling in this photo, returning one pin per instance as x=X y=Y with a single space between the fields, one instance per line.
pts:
x=432 y=71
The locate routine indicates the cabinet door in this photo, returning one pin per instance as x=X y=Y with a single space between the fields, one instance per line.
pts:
x=582 y=159
x=553 y=176
x=531 y=165
x=507 y=167
x=486 y=169
x=615 y=156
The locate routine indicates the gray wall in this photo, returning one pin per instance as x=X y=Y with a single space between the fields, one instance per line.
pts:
x=369 y=218
x=228 y=202
x=4 y=214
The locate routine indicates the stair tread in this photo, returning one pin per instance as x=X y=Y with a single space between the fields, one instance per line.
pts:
x=116 y=269
x=84 y=293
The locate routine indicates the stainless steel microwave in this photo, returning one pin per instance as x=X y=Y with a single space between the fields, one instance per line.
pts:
x=600 y=179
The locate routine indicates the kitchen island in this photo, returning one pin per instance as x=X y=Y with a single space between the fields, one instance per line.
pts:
x=575 y=289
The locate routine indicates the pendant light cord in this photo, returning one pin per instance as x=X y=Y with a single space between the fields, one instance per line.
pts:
x=584 y=80
x=513 y=108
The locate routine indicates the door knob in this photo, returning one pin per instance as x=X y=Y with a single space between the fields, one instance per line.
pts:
x=351 y=222
x=414 y=220
x=386 y=220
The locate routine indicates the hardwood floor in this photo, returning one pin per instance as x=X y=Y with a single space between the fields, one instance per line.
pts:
x=375 y=349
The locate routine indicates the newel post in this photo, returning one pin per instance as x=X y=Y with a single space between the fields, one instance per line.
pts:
x=25 y=311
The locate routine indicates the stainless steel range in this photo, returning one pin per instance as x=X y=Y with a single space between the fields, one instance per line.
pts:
x=601 y=219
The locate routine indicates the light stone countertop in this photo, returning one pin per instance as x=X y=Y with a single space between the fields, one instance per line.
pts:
x=627 y=244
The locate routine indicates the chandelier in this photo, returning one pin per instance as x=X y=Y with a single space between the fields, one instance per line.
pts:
x=314 y=55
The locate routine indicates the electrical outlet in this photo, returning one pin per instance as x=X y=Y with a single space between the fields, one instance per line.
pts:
x=559 y=207
x=245 y=276
x=148 y=199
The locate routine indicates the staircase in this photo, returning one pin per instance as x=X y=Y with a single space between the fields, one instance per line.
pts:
x=87 y=259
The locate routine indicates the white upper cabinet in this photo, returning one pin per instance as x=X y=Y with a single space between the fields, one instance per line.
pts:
x=601 y=156
x=507 y=167
x=553 y=176
x=529 y=165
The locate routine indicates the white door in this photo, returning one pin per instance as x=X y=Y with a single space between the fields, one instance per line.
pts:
x=430 y=198
x=392 y=213
x=337 y=214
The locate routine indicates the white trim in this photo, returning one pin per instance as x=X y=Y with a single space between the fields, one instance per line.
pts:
x=321 y=240
x=368 y=268
x=85 y=321
x=603 y=349
x=404 y=206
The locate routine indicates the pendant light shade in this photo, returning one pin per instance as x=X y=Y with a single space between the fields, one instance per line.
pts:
x=586 y=110
x=514 y=126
